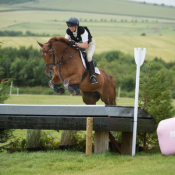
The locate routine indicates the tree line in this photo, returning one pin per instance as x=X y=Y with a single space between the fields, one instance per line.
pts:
x=20 y=33
x=15 y=1
x=27 y=68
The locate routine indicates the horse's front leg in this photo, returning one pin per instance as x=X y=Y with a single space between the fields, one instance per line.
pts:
x=56 y=80
x=72 y=84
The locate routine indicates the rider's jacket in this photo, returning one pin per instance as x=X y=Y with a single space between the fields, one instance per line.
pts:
x=82 y=34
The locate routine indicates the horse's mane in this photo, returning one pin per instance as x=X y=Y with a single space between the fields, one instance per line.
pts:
x=58 y=38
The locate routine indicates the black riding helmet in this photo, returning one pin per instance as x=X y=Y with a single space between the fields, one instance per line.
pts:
x=72 y=22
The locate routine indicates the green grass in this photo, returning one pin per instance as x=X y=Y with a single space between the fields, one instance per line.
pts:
x=58 y=100
x=74 y=163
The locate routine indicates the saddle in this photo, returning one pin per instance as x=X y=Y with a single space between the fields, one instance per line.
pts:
x=86 y=61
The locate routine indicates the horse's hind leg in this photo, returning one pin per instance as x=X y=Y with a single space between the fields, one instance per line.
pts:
x=90 y=98
x=109 y=96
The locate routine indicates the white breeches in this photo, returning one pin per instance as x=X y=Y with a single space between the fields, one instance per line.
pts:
x=90 y=50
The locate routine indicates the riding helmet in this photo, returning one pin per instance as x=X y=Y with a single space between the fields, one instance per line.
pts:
x=72 y=22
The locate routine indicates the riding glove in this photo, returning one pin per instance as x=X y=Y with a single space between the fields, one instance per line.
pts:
x=71 y=43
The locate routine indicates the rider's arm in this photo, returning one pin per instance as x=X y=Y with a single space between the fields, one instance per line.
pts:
x=82 y=45
x=67 y=36
x=84 y=37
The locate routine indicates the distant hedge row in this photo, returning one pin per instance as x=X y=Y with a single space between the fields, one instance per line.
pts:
x=15 y=1
x=19 y=33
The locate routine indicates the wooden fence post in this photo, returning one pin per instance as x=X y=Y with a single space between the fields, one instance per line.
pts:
x=101 y=141
x=89 y=129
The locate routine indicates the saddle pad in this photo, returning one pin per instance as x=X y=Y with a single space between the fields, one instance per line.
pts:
x=83 y=61
x=166 y=136
x=97 y=71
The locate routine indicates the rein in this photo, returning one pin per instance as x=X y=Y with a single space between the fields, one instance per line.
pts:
x=62 y=62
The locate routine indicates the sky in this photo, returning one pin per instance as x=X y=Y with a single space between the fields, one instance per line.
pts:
x=166 y=2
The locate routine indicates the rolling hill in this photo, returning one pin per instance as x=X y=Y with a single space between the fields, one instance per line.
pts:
x=114 y=24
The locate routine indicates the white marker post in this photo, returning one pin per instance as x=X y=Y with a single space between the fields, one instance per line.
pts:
x=11 y=87
x=139 y=59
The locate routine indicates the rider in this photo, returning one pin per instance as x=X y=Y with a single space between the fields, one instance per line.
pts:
x=81 y=37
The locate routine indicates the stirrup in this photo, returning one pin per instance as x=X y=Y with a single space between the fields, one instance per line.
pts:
x=93 y=79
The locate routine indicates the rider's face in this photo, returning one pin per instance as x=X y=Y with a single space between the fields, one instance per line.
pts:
x=73 y=28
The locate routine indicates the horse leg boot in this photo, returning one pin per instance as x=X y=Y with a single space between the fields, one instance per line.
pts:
x=73 y=89
x=58 y=91
x=93 y=78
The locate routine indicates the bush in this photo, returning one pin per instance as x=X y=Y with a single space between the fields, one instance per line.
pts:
x=49 y=142
x=155 y=98
x=5 y=134
x=79 y=142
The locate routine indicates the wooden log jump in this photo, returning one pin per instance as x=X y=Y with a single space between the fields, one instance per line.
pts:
x=73 y=117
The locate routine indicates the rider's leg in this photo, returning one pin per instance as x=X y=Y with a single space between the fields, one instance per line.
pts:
x=90 y=51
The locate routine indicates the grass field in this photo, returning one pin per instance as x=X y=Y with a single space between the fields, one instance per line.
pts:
x=59 y=100
x=74 y=163
x=157 y=46
x=117 y=7
x=114 y=26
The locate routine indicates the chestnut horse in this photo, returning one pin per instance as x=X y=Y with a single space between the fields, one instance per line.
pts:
x=69 y=70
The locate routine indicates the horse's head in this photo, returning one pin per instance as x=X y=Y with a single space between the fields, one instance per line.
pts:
x=47 y=54
x=60 y=45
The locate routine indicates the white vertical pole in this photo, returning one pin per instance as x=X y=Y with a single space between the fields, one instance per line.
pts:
x=17 y=91
x=11 y=87
x=139 y=59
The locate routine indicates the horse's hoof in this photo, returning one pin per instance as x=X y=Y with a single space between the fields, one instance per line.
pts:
x=74 y=93
x=58 y=91
x=77 y=91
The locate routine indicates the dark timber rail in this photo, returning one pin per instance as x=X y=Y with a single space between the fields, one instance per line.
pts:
x=73 y=117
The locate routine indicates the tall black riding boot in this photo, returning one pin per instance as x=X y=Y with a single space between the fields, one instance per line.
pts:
x=93 y=78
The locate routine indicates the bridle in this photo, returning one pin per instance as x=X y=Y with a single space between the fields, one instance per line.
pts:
x=53 y=63
x=61 y=62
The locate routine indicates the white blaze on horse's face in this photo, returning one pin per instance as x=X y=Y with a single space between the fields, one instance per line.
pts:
x=45 y=54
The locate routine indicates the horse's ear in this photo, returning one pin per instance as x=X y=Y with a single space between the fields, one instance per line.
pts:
x=40 y=44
